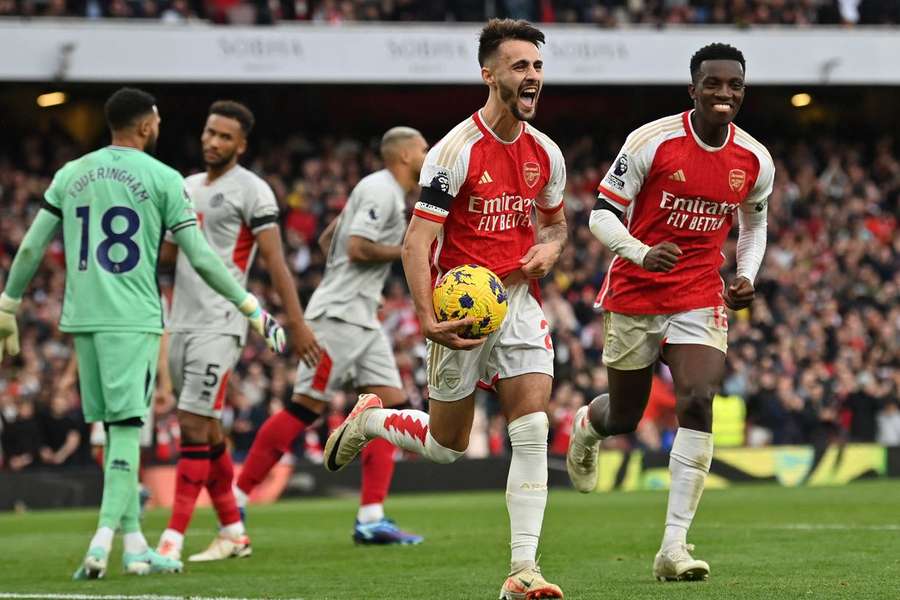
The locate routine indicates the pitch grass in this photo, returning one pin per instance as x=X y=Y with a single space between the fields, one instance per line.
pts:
x=762 y=542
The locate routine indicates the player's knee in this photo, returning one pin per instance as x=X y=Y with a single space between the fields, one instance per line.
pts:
x=529 y=433
x=195 y=429
x=694 y=407
x=437 y=452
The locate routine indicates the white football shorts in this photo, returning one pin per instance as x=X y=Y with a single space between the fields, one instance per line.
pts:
x=521 y=345
x=200 y=365
x=352 y=354
x=632 y=342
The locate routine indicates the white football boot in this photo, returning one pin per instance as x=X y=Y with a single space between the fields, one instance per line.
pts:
x=528 y=584
x=349 y=439
x=675 y=563
x=223 y=547
x=581 y=459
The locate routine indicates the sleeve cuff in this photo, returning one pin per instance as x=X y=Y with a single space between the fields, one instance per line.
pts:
x=612 y=196
x=551 y=210
x=56 y=212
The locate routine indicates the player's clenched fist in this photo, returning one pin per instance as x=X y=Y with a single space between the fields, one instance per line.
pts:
x=662 y=258
x=739 y=294
x=446 y=333
x=539 y=259
x=263 y=323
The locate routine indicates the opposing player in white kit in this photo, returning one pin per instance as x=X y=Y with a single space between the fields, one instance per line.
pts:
x=238 y=213
x=480 y=185
x=364 y=240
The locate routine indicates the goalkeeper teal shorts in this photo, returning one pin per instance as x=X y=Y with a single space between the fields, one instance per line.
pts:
x=117 y=374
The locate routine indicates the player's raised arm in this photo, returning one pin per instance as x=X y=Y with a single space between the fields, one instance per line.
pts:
x=302 y=338
x=28 y=259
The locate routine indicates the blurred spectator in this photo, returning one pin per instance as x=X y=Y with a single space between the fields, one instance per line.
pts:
x=21 y=435
x=62 y=433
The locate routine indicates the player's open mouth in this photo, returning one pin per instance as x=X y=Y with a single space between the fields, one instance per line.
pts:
x=528 y=96
x=722 y=107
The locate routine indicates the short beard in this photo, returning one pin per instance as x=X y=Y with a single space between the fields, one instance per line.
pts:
x=219 y=163
x=510 y=99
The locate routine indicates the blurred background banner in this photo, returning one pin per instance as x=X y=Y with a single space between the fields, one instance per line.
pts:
x=433 y=54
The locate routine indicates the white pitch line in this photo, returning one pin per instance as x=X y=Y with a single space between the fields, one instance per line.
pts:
x=810 y=527
x=14 y=596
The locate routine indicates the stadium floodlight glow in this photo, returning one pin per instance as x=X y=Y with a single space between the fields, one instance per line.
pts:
x=800 y=100
x=51 y=99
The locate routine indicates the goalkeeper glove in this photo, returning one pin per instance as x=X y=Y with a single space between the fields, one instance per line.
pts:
x=263 y=323
x=9 y=330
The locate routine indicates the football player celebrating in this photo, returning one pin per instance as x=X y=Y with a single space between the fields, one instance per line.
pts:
x=678 y=182
x=480 y=184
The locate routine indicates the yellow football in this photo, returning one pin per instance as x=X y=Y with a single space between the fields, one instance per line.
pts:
x=471 y=291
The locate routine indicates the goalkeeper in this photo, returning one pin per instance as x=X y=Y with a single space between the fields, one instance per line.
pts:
x=114 y=205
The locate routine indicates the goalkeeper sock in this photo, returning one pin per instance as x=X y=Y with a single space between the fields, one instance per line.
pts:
x=408 y=429
x=120 y=477
x=689 y=463
x=526 y=486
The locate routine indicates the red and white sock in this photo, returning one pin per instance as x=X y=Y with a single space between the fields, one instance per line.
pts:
x=377 y=471
x=218 y=484
x=191 y=474
x=408 y=429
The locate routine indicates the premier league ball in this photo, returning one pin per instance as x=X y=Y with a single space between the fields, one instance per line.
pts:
x=471 y=291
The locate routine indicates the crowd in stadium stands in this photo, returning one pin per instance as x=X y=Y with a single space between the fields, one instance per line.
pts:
x=816 y=359
x=604 y=13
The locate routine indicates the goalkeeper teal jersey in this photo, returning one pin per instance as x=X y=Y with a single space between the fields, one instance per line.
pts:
x=115 y=205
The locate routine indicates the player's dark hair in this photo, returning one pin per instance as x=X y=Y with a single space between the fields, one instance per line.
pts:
x=234 y=110
x=498 y=31
x=715 y=51
x=126 y=106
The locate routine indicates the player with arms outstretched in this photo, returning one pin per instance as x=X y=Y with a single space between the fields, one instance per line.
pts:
x=480 y=186
x=360 y=245
x=238 y=214
x=678 y=181
x=114 y=205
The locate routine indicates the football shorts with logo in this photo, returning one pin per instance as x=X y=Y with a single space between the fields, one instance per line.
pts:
x=117 y=374
x=633 y=342
x=521 y=345
x=200 y=364
x=352 y=354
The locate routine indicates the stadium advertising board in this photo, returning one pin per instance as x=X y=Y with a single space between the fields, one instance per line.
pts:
x=433 y=54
